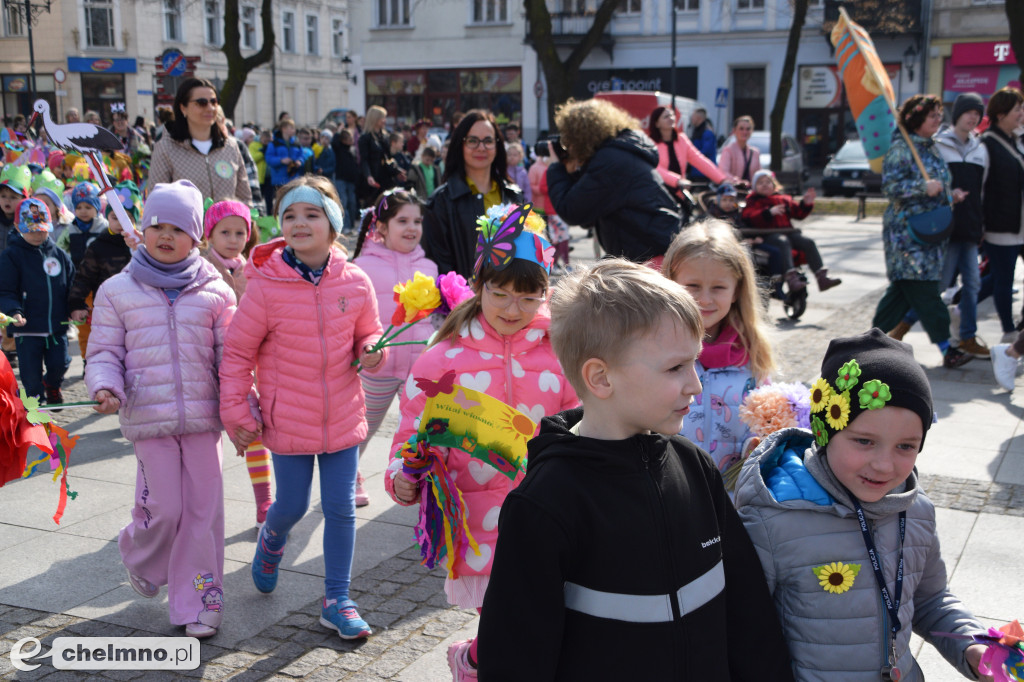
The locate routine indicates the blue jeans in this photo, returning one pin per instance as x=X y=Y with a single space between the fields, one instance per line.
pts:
x=962 y=257
x=1002 y=260
x=293 y=475
x=349 y=203
x=36 y=352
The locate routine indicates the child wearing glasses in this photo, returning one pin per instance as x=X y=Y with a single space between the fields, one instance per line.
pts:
x=496 y=342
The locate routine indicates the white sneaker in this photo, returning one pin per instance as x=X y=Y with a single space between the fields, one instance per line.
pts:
x=954 y=323
x=1003 y=366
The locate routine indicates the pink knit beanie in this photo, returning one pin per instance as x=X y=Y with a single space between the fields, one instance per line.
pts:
x=221 y=210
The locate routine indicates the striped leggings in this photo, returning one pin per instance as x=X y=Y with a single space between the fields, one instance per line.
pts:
x=380 y=391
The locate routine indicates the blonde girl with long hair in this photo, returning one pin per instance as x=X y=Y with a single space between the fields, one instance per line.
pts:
x=708 y=259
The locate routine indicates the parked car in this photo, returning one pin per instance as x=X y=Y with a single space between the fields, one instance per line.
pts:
x=336 y=117
x=847 y=172
x=792 y=154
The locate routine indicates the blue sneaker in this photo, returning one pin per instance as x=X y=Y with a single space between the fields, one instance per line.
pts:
x=264 y=565
x=343 y=617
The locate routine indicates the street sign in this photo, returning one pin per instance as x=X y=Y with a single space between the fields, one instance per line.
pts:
x=59 y=75
x=538 y=89
x=722 y=98
x=174 y=63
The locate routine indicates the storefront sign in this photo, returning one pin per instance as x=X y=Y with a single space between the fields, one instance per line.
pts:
x=89 y=65
x=15 y=84
x=592 y=81
x=983 y=54
x=980 y=79
x=819 y=87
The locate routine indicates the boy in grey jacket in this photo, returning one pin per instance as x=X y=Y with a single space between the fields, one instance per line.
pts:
x=844 y=532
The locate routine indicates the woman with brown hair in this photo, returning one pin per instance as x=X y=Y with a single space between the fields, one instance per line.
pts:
x=609 y=179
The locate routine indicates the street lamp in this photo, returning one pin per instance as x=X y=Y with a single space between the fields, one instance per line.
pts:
x=909 y=57
x=672 y=69
x=346 y=61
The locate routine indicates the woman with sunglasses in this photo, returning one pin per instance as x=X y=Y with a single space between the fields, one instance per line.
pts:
x=198 y=149
x=475 y=179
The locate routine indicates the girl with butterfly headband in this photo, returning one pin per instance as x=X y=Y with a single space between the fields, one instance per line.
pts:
x=389 y=251
x=497 y=342
x=306 y=315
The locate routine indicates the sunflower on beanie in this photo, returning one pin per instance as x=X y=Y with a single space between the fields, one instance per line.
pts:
x=833 y=400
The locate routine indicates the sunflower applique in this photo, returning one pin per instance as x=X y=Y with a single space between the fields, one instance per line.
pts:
x=837 y=412
x=836 y=577
x=820 y=393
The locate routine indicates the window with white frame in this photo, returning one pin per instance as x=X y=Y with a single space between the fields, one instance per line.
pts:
x=213 y=20
x=14 y=24
x=630 y=7
x=694 y=5
x=288 y=31
x=172 y=20
x=312 y=34
x=749 y=4
x=337 y=31
x=393 y=13
x=490 y=11
x=248 y=20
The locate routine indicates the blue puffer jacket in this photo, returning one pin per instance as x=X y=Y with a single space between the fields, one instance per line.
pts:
x=279 y=150
x=34 y=281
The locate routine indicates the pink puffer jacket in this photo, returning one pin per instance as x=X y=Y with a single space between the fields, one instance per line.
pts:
x=160 y=360
x=301 y=339
x=520 y=370
x=386 y=268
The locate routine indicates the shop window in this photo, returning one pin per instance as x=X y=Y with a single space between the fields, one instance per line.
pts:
x=14 y=24
x=248 y=14
x=288 y=31
x=312 y=34
x=490 y=11
x=172 y=21
x=393 y=13
x=212 y=22
x=749 y=4
x=631 y=6
x=99 y=23
x=337 y=31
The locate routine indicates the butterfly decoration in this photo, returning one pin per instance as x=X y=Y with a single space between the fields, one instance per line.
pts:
x=446 y=384
x=545 y=255
x=496 y=243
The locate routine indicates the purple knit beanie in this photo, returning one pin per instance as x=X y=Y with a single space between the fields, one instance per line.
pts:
x=177 y=203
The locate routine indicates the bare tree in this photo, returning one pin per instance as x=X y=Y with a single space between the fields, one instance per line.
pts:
x=1015 y=13
x=239 y=66
x=786 y=81
x=560 y=73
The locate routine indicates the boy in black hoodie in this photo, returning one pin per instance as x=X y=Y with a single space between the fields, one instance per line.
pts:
x=620 y=556
x=34 y=279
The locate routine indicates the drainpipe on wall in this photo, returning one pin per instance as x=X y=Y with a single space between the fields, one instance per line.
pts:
x=926 y=30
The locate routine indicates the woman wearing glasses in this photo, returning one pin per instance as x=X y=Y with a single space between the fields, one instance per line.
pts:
x=198 y=149
x=609 y=179
x=475 y=179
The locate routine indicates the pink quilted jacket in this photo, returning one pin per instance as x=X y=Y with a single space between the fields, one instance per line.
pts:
x=386 y=268
x=160 y=360
x=301 y=339
x=522 y=371
x=688 y=155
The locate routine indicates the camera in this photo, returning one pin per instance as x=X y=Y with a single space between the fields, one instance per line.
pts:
x=541 y=148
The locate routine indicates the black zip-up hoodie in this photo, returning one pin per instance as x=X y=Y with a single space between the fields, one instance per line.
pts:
x=642 y=516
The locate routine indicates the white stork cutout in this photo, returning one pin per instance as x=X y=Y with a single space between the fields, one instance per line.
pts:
x=90 y=141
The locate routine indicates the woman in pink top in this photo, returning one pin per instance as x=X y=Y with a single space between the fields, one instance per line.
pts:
x=676 y=152
x=738 y=159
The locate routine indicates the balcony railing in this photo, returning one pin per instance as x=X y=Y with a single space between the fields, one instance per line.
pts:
x=568 y=27
x=878 y=17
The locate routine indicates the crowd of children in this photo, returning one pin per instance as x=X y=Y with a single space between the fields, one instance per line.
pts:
x=622 y=530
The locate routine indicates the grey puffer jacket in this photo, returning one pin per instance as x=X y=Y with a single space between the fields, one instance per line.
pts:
x=843 y=637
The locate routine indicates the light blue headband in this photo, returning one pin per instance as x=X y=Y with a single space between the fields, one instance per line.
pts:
x=310 y=195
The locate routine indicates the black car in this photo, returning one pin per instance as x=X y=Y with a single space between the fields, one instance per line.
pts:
x=848 y=172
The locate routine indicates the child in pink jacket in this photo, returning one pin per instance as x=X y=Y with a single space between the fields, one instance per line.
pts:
x=389 y=251
x=306 y=315
x=496 y=342
x=158 y=331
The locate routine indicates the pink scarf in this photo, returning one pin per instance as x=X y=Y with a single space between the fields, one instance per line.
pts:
x=231 y=264
x=725 y=351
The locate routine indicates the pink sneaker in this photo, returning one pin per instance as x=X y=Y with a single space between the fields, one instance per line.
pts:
x=142 y=586
x=261 y=512
x=362 y=499
x=458 y=661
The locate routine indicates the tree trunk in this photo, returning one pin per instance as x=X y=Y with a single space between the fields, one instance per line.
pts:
x=786 y=81
x=560 y=74
x=239 y=66
x=1015 y=14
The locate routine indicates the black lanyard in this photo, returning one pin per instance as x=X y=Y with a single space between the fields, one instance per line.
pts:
x=891 y=605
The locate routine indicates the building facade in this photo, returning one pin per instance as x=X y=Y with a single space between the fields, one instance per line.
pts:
x=970 y=49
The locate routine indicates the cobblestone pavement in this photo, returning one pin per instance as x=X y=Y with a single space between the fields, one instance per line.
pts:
x=403 y=601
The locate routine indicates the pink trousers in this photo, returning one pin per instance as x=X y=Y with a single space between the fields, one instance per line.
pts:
x=176 y=536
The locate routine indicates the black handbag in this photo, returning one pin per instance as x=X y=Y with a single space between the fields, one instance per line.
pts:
x=931 y=227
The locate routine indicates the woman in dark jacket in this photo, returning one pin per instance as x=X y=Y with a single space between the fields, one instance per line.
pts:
x=379 y=171
x=1002 y=199
x=610 y=180
x=474 y=181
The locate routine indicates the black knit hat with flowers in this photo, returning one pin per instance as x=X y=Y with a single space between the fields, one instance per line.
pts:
x=867 y=372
